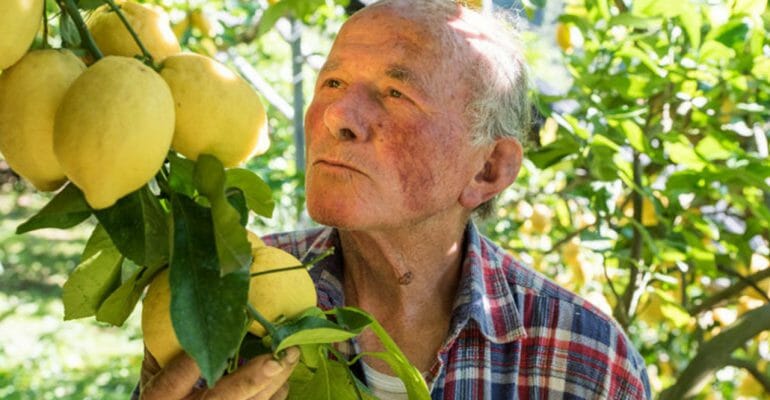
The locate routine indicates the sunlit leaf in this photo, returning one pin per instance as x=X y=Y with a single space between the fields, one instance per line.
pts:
x=67 y=209
x=232 y=245
x=97 y=275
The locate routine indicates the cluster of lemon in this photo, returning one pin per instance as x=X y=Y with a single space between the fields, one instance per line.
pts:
x=107 y=126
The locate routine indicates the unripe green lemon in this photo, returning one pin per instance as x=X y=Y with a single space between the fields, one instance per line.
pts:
x=217 y=111
x=113 y=129
x=19 y=22
x=30 y=92
x=151 y=25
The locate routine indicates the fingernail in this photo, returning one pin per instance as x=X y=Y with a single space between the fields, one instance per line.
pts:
x=292 y=355
x=272 y=368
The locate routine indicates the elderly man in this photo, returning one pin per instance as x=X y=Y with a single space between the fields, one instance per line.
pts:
x=413 y=127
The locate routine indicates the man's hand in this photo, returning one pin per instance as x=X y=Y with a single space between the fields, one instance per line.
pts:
x=262 y=378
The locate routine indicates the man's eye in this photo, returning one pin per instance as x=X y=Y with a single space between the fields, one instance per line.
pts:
x=395 y=93
x=332 y=83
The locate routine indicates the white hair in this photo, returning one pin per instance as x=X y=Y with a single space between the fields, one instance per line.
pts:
x=494 y=67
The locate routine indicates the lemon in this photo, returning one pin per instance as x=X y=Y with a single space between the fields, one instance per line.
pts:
x=284 y=293
x=201 y=21
x=278 y=294
x=19 y=22
x=564 y=37
x=30 y=92
x=113 y=129
x=217 y=111
x=151 y=25
x=157 y=329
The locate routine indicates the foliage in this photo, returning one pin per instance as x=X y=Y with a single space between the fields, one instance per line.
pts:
x=646 y=190
x=649 y=189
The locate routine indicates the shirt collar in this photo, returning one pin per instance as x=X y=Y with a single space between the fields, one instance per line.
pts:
x=483 y=294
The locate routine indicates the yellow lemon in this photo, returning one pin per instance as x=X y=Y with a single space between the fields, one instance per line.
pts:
x=254 y=240
x=281 y=293
x=151 y=25
x=202 y=22
x=30 y=92
x=19 y=22
x=157 y=329
x=113 y=129
x=217 y=111
x=564 y=37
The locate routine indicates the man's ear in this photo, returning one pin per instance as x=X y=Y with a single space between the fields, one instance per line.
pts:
x=500 y=170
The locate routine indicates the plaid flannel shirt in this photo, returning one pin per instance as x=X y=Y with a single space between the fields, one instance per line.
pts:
x=514 y=334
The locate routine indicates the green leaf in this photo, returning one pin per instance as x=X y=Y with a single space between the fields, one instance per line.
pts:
x=271 y=16
x=712 y=149
x=692 y=21
x=684 y=154
x=549 y=155
x=761 y=68
x=137 y=225
x=258 y=194
x=207 y=309
x=97 y=275
x=232 y=244
x=117 y=307
x=181 y=174
x=68 y=31
x=635 y=21
x=633 y=134
x=352 y=318
x=634 y=53
x=749 y=7
x=67 y=209
x=332 y=380
x=89 y=4
x=309 y=330
x=715 y=52
x=735 y=32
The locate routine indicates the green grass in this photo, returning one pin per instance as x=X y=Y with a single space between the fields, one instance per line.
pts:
x=42 y=356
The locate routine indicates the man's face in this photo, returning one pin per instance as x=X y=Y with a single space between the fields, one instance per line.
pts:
x=387 y=142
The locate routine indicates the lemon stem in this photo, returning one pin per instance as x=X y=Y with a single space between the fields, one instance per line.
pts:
x=276 y=270
x=270 y=328
x=46 y=45
x=131 y=31
x=306 y=265
x=69 y=7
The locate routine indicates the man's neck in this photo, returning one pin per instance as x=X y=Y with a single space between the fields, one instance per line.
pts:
x=416 y=313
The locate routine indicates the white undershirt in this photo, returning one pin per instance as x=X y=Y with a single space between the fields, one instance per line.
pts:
x=383 y=386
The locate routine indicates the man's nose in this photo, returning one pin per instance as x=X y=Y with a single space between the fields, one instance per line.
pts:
x=347 y=115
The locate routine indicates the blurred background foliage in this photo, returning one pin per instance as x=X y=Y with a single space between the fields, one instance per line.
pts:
x=646 y=186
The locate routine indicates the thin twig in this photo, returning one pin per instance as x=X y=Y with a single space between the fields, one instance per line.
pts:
x=70 y=8
x=146 y=54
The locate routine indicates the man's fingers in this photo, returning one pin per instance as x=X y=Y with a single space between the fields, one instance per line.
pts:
x=260 y=378
x=282 y=393
x=174 y=381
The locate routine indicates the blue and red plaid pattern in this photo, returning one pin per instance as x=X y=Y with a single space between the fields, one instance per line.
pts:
x=514 y=333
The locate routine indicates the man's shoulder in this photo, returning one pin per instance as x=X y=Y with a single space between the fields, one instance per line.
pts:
x=555 y=316
x=530 y=287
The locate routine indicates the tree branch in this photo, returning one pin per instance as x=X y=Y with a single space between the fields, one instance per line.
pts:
x=715 y=353
x=729 y=292
x=751 y=368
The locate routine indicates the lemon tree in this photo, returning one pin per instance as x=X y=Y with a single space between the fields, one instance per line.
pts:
x=149 y=143
x=654 y=162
